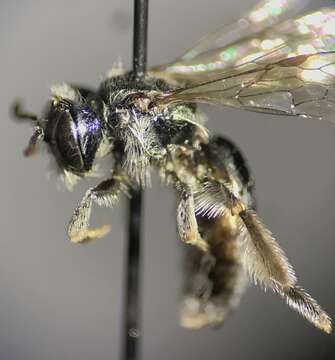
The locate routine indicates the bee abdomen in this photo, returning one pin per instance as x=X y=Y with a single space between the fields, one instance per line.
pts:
x=215 y=282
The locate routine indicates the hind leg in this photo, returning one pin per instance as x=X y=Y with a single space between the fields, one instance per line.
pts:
x=215 y=282
x=238 y=241
x=214 y=279
x=262 y=258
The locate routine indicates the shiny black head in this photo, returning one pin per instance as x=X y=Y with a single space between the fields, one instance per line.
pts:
x=74 y=134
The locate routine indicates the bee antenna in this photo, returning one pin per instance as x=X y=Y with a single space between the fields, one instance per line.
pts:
x=38 y=134
x=20 y=114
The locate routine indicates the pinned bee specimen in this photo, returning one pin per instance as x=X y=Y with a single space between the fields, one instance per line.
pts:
x=262 y=63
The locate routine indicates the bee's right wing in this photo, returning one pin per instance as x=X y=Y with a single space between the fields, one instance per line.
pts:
x=302 y=85
x=219 y=56
x=293 y=74
x=264 y=14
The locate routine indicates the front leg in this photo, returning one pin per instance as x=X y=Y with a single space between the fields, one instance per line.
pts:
x=105 y=194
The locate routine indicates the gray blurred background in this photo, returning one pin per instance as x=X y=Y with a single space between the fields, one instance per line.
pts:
x=64 y=301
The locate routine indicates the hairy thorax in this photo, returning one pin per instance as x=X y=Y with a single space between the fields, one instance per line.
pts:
x=142 y=136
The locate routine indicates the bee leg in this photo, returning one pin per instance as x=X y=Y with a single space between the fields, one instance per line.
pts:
x=262 y=256
x=215 y=282
x=105 y=194
x=186 y=220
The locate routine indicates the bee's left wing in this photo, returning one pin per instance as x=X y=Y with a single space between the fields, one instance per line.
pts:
x=212 y=60
x=294 y=78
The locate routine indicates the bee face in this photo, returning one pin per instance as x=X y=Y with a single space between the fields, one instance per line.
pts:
x=73 y=132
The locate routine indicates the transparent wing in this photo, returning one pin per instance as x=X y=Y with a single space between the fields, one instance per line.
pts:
x=264 y=14
x=297 y=78
x=208 y=65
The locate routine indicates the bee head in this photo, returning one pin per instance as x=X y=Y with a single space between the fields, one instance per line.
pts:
x=73 y=132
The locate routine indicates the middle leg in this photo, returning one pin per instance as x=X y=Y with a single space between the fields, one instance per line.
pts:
x=186 y=219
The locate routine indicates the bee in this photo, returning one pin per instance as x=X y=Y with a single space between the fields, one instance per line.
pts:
x=263 y=63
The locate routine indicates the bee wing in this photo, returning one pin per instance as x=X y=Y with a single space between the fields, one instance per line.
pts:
x=296 y=78
x=220 y=55
x=264 y=14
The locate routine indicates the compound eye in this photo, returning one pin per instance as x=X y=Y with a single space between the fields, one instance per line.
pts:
x=66 y=137
x=74 y=134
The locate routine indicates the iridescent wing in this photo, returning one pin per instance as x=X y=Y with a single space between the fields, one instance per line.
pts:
x=264 y=14
x=294 y=74
x=211 y=63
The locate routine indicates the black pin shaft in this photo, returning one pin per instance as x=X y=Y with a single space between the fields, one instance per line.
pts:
x=140 y=39
x=132 y=313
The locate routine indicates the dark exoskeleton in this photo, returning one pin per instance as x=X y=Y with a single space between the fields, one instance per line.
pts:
x=215 y=210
